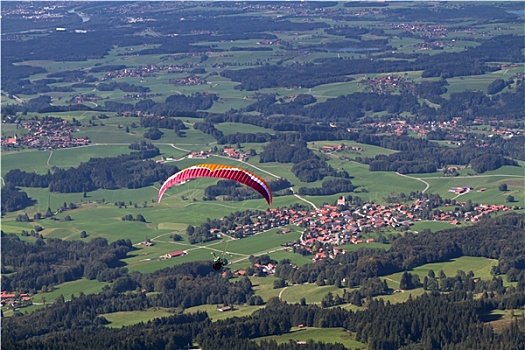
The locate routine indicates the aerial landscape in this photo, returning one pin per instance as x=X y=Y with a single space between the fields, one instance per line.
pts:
x=264 y=175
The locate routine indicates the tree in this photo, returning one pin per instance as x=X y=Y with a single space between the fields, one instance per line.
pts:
x=503 y=187
x=409 y=281
x=510 y=199
x=83 y=234
x=496 y=86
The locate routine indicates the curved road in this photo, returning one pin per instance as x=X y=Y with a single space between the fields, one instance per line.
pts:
x=427 y=185
x=281 y=292
x=49 y=158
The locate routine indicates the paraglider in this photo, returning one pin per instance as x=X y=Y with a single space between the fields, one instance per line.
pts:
x=219 y=171
x=218 y=262
x=223 y=172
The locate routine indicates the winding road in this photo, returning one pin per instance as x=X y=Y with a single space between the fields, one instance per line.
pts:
x=427 y=185
x=281 y=292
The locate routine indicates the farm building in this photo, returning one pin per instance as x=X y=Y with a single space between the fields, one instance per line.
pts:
x=174 y=254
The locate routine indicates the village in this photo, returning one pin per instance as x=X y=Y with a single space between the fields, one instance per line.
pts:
x=146 y=71
x=458 y=132
x=46 y=133
x=332 y=226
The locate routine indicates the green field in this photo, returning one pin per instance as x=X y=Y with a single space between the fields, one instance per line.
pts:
x=401 y=297
x=68 y=289
x=480 y=266
x=479 y=82
x=232 y=128
x=488 y=182
x=126 y=318
x=263 y=286
x=30 y=161
x=433 y=226
x=313 y=293
x=215 y=315
x=326 y=335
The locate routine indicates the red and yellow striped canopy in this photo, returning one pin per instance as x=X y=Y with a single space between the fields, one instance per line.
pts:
x=219 y=171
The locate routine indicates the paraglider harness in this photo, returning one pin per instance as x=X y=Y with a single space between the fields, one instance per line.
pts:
x=218 y=262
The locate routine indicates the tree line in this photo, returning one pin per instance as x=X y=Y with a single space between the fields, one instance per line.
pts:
x=132 y=170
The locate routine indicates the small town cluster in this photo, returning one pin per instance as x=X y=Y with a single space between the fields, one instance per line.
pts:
x=47 y=133
x=454 y=127
x=150 y=70
x=329 y=227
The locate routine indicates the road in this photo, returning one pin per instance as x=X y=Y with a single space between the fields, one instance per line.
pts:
x=49 y=158
x=281 y=292
x=427 y=185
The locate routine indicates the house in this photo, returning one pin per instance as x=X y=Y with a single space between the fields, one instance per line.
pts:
x=231 y=152
x=176 y=253
x=198 y=155
x=6 y=296
x=224 y=308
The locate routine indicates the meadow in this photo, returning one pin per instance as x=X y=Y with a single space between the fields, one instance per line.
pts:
x=479 y=82
x=480 y=266
x=68 y=289
x=216 y=315
x=313 y=293
x=326 y=335
x=126 y=318
x=232 y=128
x=433 y=226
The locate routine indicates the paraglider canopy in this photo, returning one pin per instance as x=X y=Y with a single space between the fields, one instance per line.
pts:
x=219 y=171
